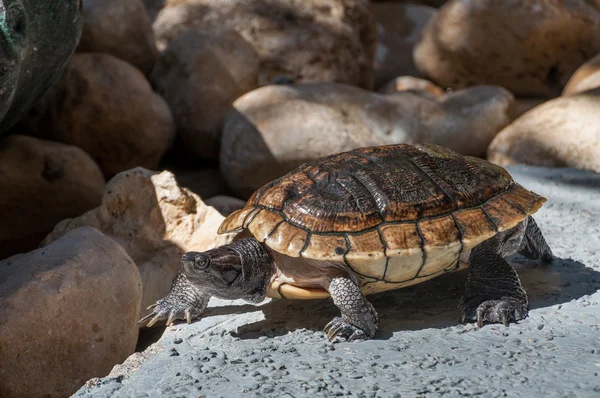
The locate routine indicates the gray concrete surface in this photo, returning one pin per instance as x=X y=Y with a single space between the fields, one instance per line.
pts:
x=277 y=348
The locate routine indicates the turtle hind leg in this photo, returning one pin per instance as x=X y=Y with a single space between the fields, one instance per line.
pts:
x=493 y=290
x=359 y=319
x=534 y=245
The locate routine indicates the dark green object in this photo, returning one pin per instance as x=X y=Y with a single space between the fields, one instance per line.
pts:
x=37 y=37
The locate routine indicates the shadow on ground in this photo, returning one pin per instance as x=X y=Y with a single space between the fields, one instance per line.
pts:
x=432 y=304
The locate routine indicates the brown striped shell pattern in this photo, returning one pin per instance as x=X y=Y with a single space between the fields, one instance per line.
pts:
x=396 y=215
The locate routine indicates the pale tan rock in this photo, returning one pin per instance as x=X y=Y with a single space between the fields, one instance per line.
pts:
x=225 y=204
x=42 y=183
x=156 y=221
x=414 y=84
x=121 y=28
x=68 y=312
x=307 y=41
x=200 y=75
x=586 y=77
x=276 y=128
x=563 y=132
x=106 y=107
x=399 y=27
x=530 y=47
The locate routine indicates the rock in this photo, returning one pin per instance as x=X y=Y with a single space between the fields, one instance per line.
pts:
x=225 y=204
x=200 y=75
x=42 y=183
x=204 y=182
x=586 y=77
x=528 y=47
x=413 y=84
x=106 y=107
x=399 y=28
x=523 y=105
x=308 y=41
x=37 y=37
x=156 y=221
x=121 y=28
x=563 y=132
x=274 y=129
x=68 y=312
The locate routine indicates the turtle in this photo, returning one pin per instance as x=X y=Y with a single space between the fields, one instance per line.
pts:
x=365 y=221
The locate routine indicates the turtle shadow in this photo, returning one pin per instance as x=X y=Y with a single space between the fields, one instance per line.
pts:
x=432 y=304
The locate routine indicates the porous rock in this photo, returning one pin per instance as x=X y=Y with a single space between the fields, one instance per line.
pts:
x=399 y=27
x=530 y=47
x=200 y=75
x=105 y=106
x=42 y=183
x=274 y=129
x=156 y=221
x=68 y=312
x=307 y=41
x=121 y=28
x=563 y=132
x=37 y=38
x=586 y=77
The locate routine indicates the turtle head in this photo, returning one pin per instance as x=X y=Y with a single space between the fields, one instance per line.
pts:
x=239 y=270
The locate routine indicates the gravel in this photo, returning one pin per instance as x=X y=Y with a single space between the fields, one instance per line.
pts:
x=277 y=348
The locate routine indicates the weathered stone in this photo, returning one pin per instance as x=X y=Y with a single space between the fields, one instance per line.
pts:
x=563 y=132
x=36 y=40
x=274 y=129
x=225 y=204
x=530 y=47
x=106 y=107
x=121 y=28
x=399 y=27
x=200 y=75
x=414 y=84
x=307 y=41
x=205 y=182
x=68 y=312
x=586 y=77
x=156 y=221
x=42 y=183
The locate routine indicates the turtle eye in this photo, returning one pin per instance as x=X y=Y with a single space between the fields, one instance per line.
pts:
x=202 y=261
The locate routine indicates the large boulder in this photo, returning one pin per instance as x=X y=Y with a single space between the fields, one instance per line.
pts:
x=36 y=40
x=68 y=312
x=105 y=106
x=156 y=221
x=530 y=47
x=121 y=28
x=42 y=183
x=200 y=75
x=563 y=132
x=586 y=77
x=306 y=41
x=274 y=129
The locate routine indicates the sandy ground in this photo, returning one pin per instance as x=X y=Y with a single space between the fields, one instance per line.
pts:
x=277 y=348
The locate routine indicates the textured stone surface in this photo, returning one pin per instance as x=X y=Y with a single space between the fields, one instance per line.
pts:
x=586 y=77
x=121 y=28
x=105 y=106
x=42 y=183
x=155 y=221
x=307 y=41
x=278 y=349
x=68 y=312
x=561 y=132
x=276 y=128
x=36 y=40
x=200 y=75
x=529 y=47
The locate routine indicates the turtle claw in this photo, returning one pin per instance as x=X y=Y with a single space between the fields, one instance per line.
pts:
x=339 y=327
x=495 y=311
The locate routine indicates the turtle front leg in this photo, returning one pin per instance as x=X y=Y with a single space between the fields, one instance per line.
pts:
x=493 y=290
x=184 y=301
x=359 y=319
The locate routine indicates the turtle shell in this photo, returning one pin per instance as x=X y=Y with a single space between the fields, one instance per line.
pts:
x=396 y=214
